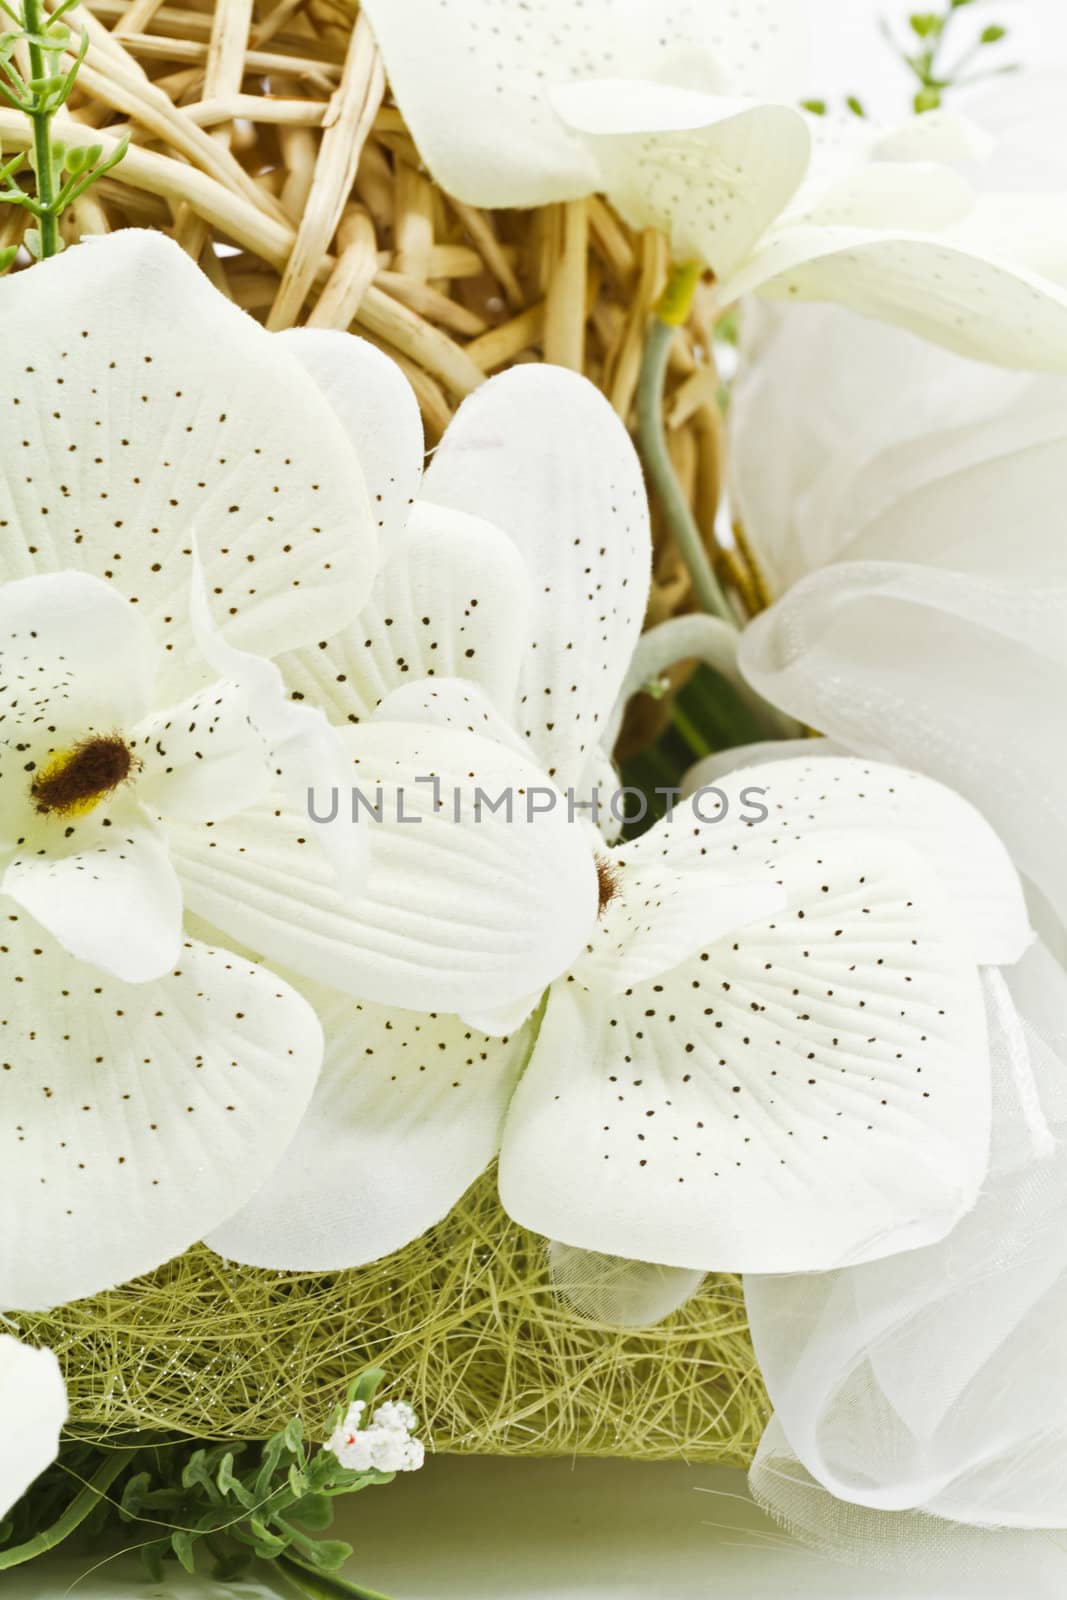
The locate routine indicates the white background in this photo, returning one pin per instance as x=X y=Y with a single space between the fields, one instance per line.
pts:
x=849 y=54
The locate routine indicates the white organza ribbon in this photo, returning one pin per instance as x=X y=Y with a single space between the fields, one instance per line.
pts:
x=930 y=1389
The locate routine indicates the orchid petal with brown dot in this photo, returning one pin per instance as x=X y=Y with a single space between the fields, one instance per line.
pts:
x=491 y=64
x=463 y=907
x=451 y=600
x=540 y=454
x=136 y=1116
x=409 y=1113
x=812 y=1091
x=152 y=405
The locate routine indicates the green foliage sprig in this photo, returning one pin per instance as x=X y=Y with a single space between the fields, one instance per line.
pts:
x=924 y=53
x=61 y=172
x=223 y=1506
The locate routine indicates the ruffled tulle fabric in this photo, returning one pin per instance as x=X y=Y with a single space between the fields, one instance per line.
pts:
x=921 y=1402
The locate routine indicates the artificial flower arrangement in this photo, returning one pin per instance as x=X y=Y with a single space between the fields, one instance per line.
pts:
x=468 y=907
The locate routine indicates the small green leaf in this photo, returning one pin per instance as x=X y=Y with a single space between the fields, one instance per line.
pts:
x=926 y=24
x=366 y=1385
x=195 y=1473
x=264 y=1542
x=816 y=107
x=273 y=1451
x=855 y=105
x=152 y=1559
x=182 y=1545
x=927 y=99
x=294 y=1436
x=134 y=1493
x=7 y=260
x=234 y=1564
x=993 y=34
x=314 y=1511
x=330 y=1554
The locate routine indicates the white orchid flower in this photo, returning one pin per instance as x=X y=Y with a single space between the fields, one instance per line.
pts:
x=907 y=516
x=138 y=1066
x=168 y=524
x=460 y=913
x=477 y=64
x=930 y=1389
x=685 y=116
x=545 y=622
x=149 y=1080
x=33 y=1409
x=772 y=1047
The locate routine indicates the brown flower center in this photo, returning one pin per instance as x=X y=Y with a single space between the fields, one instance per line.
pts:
x=76 y=779
x=607 y=877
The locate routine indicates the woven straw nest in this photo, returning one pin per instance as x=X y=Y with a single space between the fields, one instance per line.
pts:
x=264 y=139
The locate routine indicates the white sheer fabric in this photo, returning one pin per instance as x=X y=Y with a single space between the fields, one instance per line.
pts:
x=905 y=1542
x=617 y=1292
x=907 y=514
x=936 y=1382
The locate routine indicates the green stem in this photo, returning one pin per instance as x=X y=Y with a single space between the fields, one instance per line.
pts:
x=80 y=1508
x=48 y=221
x=320 y=1586
x=690 y=733
x=652 y=439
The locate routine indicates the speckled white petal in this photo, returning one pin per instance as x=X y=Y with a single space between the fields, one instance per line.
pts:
x=889 y=194
x=450 y=703
x=455 y=914
x=111 y=899
x=196 y=416
x=955 y=296
x=479 y=64
x=202 y=759
x=377 y=407
x=810 y=792
x=539 y=452
x=102 y=645
x=407 y=1114
x=75 y=659
x=814 y=1090
x=33 y=1409
x=710 y=173
x=663 y=910
x=451 y=600
x=136 y=1117
x=299 y=746
x=504 y=1019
